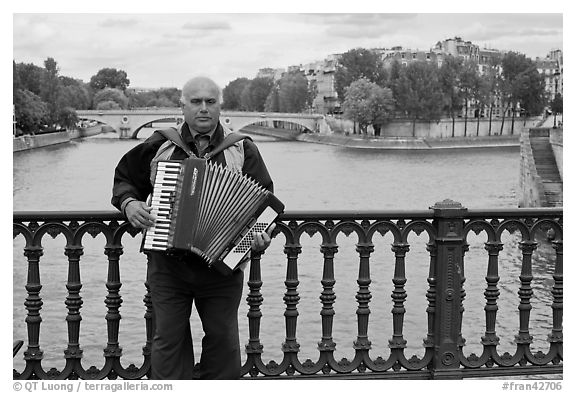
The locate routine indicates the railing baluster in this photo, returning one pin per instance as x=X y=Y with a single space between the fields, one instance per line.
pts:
x=398 y=342
x=492 y=293
x=556 y=336
x=73 y=303
x=33 y=355
x=113 y=301
x=363 y=296
x=525 y=292
x=291 y=298
x=328 y=297
x=254 y=348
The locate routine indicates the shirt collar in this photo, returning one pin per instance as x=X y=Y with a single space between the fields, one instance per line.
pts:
x=191 y=135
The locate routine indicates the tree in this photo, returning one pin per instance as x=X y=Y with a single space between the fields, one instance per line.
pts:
x=489 y=86
x=273 y=100
x=160 y=101
x=51 y=89
x=449 y=75
x=368 y=104
x=74 y=96
x=66 y=117
x=30 y=77
x=110 y=78
x=483 y=98
x=355 y=64
x=30 y=111
x=254 y=94
x=108 y=105
x=245 y=98
x=232 y=94
x=419 y=94
x=109 y=94
x=293 y=92
x=355 y=105
x=522 y=86
x=394 y=75
x=469 y=85
x=382 y=104
x=530 y=91
x=312 y=93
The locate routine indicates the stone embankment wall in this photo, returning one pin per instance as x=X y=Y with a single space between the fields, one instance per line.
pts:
x=532 y=191
x=389 y=143
x=27 y=142
x=442 y=128
x=556 y=140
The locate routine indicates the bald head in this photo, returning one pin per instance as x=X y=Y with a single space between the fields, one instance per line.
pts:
x=196 y=83
x=201 y=104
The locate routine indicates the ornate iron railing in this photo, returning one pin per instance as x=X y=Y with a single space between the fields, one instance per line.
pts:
x=447 y=225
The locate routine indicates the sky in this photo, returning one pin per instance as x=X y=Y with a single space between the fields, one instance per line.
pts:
x=164 y=49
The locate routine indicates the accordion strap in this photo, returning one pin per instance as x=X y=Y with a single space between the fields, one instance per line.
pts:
x=174 y=136
x=230 y=140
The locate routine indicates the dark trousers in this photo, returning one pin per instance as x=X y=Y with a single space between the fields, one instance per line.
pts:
x=177 y=283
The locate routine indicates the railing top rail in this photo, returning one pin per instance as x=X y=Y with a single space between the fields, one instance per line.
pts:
x=310 y=214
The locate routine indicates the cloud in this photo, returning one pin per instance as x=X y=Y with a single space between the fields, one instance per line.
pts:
x=207 y=26
x=486 y=34
x=119 y=22
x=358 y=19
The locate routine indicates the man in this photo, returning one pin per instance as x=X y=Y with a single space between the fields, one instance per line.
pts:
x=178 y=281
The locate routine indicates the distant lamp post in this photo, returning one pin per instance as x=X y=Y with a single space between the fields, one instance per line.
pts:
x=556 y=77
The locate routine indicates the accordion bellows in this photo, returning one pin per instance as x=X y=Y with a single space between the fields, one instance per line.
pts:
x=209 y=210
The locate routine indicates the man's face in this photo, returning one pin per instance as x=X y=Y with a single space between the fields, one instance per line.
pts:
x=201 y=106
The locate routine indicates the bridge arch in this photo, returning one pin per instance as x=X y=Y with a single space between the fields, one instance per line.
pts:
x=239 y=125
x=171 y=119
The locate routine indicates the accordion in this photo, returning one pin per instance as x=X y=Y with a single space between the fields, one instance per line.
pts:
x=209 y=210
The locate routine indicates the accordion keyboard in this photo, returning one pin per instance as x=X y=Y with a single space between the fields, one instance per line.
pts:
x=162 y=201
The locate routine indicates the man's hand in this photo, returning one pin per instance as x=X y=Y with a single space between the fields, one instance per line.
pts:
x=138 y=214
x=262 y=240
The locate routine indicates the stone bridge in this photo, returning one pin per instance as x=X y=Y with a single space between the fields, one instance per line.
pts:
x=128 y=123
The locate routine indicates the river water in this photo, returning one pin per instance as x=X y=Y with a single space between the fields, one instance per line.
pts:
x=78 y=176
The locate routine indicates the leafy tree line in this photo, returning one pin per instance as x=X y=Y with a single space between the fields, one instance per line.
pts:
x=45 y=101
x=422 y=90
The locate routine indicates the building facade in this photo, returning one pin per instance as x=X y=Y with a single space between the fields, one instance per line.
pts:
x=552 y=67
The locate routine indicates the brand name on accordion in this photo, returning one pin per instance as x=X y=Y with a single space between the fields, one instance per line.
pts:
x=194 y=179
